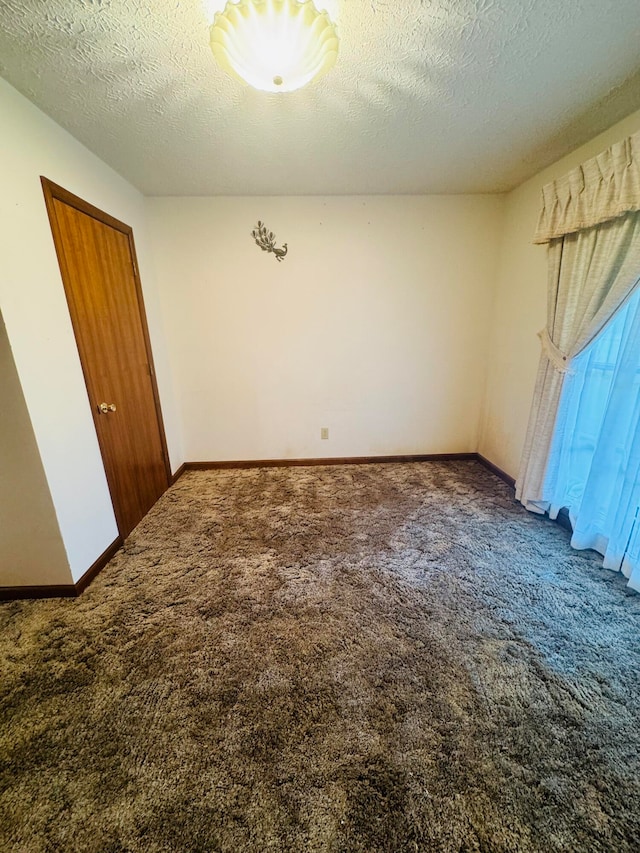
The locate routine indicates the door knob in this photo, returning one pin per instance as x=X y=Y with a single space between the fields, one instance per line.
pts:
x=105 y=408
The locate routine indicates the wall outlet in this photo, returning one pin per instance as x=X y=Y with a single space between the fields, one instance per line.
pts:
x=324 y=432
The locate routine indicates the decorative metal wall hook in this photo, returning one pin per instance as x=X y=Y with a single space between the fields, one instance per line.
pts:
x=267 y=241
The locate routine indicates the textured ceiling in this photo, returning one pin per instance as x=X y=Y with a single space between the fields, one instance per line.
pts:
x=427 y=95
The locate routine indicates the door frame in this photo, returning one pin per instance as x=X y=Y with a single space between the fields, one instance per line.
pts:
x=53 y=191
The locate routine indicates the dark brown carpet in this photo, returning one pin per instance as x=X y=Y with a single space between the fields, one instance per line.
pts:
x=351 y=659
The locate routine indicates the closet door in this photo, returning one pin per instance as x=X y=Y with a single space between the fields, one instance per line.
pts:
x=100 y=275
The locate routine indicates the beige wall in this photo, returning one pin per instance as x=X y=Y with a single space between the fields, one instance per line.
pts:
x=31 y=549
x=39 y=328
x=519 y=310
x=374 y=325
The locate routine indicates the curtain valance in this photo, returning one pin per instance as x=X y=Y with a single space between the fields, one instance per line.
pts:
x=601 y=189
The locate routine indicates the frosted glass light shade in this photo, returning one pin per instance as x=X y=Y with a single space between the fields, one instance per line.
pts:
x=274 y=45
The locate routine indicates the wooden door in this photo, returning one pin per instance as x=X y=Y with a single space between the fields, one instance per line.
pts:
x=100 y=274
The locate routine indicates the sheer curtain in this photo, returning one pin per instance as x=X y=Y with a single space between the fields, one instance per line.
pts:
x=594 y=462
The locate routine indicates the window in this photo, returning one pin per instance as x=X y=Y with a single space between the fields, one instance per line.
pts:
x=594 y=465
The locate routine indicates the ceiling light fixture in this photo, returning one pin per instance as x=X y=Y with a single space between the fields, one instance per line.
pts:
x=274 y=45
